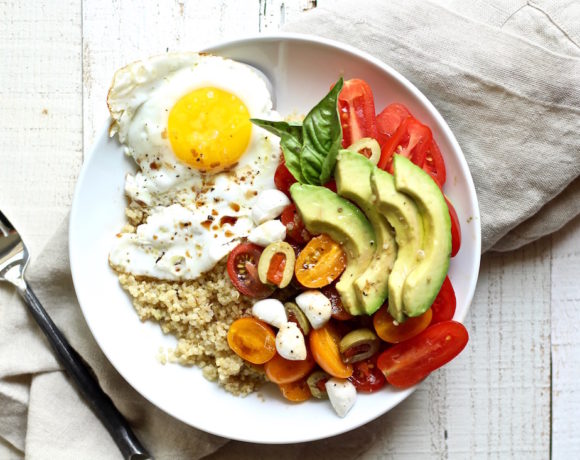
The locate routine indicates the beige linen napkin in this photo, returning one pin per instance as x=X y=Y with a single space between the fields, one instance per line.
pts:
x=513 y=104
x=512 y=101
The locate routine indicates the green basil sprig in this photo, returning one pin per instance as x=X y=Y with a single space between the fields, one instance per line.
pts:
x=290 y=135
x=310 y=149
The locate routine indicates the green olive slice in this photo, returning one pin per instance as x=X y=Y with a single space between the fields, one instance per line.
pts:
x=358 y=345
x=268 y=255
x=294 y=313
x=367 y=146
x=316 y=382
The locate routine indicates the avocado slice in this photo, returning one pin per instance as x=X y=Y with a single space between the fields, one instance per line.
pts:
x=403 y=215
x=425 y=281
x=353 y=181
x=323 y=211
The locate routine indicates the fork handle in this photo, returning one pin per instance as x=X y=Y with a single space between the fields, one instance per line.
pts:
x=85 y=380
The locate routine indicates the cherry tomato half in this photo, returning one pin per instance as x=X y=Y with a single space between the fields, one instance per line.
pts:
x=409 y=362
x=366 y=376
x=324 y=347
x=389 y=332
x=243 y=271
x=280 y=370
x=391 y=118
x=455 y=229
x=296 y=391
x=434 y=164
x=295 y=229
x=338 y=310
x=252 y=340
x=283 y=178
x=443 y=307
x=321 y=261
x=410 y=140
x=356 y=107
x=331 y=185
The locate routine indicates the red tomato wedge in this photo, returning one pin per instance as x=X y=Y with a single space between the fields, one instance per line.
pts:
x=434 y=164
x=455 y=229
x=283 y=178
x=295 y=229
x=331 y=185
x=391 y=118
x=338 y=310
x=366 y=376
x=410 y=140
x=243 y=271
x=443 y=307
x=356 y=107
x=409 y=362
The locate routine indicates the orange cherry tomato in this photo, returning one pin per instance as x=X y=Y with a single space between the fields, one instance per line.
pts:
x=252 y=340
x=296 y=391
x=324 y=347
x=321 y=261
x=280 y=370
x=387 y=330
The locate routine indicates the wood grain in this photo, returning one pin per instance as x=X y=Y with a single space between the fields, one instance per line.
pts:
x=565 y=321
x=513 y=393
x=40 y=114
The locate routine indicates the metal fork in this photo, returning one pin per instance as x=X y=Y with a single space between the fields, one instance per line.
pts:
x=14 y=258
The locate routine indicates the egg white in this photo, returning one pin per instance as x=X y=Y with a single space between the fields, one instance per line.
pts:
x=194 y=219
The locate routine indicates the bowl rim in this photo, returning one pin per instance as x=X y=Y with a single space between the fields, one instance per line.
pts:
x=253 y=39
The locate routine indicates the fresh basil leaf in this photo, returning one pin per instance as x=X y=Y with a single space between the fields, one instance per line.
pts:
x=322 y=137
x=290 y=140
x=279 y=128
x=291 y=148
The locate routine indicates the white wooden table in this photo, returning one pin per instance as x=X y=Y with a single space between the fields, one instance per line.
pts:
x=515 y=391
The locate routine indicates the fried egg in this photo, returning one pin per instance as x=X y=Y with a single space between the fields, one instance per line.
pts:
x=185 y=120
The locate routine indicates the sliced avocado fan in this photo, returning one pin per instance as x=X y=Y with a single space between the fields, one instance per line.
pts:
x=323 y=211
x=353 y=181
x=425 y=280
x=402 y=213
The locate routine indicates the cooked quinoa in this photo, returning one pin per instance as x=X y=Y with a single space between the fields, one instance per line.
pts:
x=198 y=313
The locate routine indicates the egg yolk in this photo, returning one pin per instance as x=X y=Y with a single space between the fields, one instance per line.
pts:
x=209 y=129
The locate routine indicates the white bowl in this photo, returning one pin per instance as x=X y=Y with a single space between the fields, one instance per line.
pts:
x=301 y=69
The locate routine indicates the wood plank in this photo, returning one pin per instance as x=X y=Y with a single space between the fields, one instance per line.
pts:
x=40 y=119
x=507 y=410
x=565 y=319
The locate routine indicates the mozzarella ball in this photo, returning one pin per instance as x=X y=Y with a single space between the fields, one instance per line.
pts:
x=270 y=311
x=316 y=306
x=290 y=342
x=269 y=205
x=342 y=395
x=267 y=233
